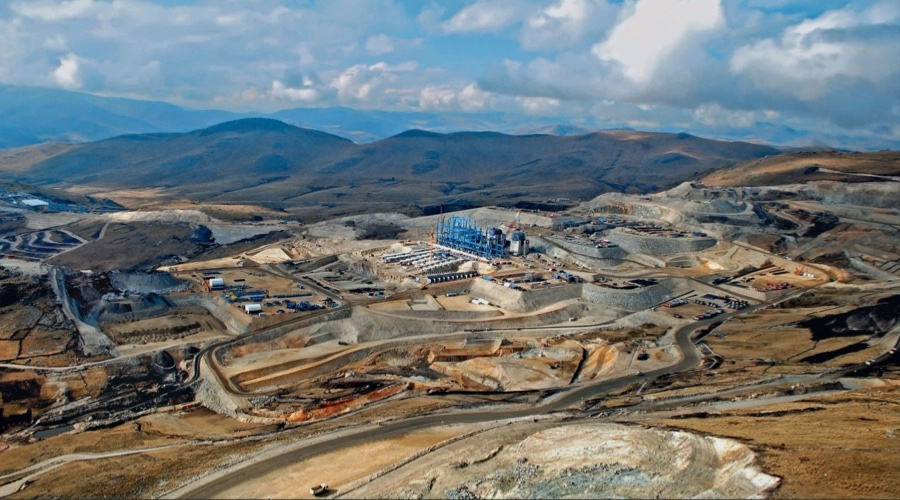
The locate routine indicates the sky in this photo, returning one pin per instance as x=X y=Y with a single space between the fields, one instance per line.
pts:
x=828 y=66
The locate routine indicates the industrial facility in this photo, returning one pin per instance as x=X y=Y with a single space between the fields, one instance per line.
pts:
x=461 y=234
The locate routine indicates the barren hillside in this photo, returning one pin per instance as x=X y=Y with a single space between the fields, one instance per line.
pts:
x=796 y=168
x=267 y=161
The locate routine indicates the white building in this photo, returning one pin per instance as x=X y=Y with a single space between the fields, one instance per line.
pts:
x=217 y=284
x=35 y=204
x=252 y=308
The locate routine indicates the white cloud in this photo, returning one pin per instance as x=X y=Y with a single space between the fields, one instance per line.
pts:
x=472 y=98
x=653 y=30
x=450 y=98
x=810 y=56
x=485 y=16
x=400 y=68
x=367 y=85
x=379 y=44
x=281 y=91
x=66 y=75
x=54 y=11
x=434 y=98
x=567 y=22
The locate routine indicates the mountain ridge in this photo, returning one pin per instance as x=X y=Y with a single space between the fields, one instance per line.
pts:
x=33 y=115
x=261 y=160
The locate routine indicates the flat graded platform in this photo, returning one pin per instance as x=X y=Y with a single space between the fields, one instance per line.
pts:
x=342 y=467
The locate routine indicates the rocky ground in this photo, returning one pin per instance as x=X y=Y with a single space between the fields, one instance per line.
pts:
x=33 y=329
x=593 y=460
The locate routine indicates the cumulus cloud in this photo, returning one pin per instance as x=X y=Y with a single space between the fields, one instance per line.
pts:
x=653 y=30
x=811 y=57
x=566 y=23
x=367 y=85
x=66 y=75
x=450 y=98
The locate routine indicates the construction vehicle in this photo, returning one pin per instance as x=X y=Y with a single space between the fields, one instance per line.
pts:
x=318 y=490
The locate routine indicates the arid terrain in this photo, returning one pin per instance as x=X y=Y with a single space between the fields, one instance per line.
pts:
x=734 y=336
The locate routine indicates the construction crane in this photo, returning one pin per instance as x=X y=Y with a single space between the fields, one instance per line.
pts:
x=801 y=269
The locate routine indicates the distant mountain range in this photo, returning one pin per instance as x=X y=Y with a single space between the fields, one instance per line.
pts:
x=32 y=115
x=265 y=161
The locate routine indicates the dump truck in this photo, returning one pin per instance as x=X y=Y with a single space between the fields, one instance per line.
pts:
x=318 y=490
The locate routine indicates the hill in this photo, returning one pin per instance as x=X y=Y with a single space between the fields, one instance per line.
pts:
x=260 y=160
x=801 y=167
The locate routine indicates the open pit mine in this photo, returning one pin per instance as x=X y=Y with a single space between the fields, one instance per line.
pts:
x=698 y=342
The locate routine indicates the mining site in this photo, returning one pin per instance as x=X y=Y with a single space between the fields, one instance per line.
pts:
x=713 y=339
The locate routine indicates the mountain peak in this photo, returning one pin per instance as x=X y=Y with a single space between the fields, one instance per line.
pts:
x=415 y=132
x=248 y=125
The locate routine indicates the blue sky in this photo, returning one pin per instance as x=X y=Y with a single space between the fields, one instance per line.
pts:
x=699 y=65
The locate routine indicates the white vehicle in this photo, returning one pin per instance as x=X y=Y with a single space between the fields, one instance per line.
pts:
x=319 y=489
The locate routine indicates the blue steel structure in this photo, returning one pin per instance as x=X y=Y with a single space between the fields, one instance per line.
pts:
x=461 y=233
